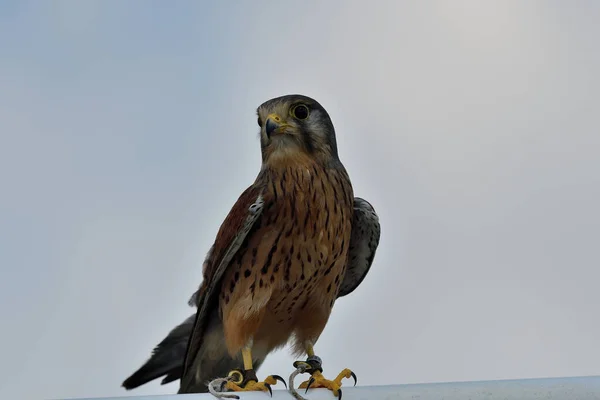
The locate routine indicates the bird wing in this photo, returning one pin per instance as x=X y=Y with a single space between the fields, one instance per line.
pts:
x=232 y=233
x=363 y=244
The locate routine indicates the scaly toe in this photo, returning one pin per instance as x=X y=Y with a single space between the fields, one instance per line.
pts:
x=272 y=380
x=346 y=373
x=251 y=386
x=246 y=381
x=317 y=380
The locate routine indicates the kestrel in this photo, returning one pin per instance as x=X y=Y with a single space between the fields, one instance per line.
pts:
x=295 y=241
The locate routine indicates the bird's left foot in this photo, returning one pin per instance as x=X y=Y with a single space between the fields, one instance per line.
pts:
x=313 y=366
x=243 y=381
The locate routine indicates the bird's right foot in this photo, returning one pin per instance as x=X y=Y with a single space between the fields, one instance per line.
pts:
x=242 y=381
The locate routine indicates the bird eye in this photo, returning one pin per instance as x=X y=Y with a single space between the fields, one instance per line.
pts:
x=300 y=111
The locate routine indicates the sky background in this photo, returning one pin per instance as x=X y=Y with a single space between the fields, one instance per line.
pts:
x=128 y=130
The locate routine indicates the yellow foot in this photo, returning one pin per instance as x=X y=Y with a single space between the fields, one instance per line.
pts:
x=254 y=386
x=317 y=380
x=313 y=366
x=243 y=381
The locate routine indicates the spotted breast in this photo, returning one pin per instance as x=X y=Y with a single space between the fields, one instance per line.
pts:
x=285 y=278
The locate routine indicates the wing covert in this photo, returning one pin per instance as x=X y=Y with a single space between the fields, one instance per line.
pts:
x=364 y=240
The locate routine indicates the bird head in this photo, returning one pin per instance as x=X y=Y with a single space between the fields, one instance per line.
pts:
x=295 y=125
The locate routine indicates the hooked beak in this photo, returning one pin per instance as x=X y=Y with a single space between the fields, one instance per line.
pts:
x=274 y=124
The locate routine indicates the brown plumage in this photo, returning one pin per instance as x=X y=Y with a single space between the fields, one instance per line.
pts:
x=286 y=275
x=279 y=259
x=167 y=357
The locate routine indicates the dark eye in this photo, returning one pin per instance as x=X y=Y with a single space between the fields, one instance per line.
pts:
x=300 y=111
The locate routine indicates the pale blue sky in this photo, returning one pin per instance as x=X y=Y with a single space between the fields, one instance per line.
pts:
x=128 y=130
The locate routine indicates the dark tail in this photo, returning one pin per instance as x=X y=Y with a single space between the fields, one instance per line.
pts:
x=166 y=359
x=212 y=360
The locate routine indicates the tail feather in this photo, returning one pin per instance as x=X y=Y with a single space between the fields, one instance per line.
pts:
x=166 y=359
x=212 y=359
x=168 y=356
x=172 y=376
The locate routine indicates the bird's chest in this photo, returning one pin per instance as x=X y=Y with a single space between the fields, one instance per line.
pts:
x=311 y=216
x=294 y=260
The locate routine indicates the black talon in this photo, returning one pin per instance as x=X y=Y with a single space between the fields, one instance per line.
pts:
x=354 y=376
x=269 y=387
x=278 y=378
x=310 y=382
x=339 y=394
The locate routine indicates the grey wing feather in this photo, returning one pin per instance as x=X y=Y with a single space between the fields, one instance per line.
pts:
x=166 y=358
x=206 y=334
x=194 y=299
x=364 y=240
